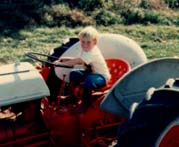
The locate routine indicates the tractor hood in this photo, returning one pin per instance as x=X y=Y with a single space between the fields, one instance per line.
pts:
x=20 y=82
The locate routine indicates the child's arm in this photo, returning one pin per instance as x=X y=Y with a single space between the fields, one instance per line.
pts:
x=69 y=62
x=64 y=59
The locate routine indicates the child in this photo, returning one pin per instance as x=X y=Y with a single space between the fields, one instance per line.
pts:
x=95 y=73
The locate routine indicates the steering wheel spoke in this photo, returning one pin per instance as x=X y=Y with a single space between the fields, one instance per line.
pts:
x=37 y=57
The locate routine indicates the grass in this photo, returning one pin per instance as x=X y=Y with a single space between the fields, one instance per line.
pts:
x=156 y=41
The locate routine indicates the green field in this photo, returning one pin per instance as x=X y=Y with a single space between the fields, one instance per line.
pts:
x=156 y=40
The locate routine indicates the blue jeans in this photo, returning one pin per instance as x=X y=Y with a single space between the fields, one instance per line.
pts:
x=91 y=81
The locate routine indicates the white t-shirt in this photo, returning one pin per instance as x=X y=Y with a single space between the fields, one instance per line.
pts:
x=95 y=58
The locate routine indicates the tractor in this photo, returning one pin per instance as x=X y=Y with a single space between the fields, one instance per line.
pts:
x=28 y=119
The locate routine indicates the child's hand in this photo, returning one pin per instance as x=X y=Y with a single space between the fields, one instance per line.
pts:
x=62 y=63
x=57 y=62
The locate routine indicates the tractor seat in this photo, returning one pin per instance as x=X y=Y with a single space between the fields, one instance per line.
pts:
x=117 y=68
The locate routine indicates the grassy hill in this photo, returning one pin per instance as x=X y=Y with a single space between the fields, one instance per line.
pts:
x=156 y=40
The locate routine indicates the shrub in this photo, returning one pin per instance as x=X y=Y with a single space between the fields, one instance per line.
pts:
x=151 y=16
x=172 y=3
x=133 y=15
x=76 y=18
x=62 y=15
x=152 y=4
x=142 y=16
x=105 y=17
x=90 y=5
x=17 y=14
x=169 y=20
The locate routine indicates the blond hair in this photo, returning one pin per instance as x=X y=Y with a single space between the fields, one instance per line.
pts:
x=89 y=32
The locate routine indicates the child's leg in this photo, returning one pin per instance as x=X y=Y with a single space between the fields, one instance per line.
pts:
x=76 y=78
x=92 y=81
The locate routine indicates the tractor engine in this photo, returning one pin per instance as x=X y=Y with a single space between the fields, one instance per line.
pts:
x=69 y=128
x=21 y=122
x=22 y=125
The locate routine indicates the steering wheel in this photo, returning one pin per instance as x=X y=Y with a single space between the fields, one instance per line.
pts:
x=36 y=56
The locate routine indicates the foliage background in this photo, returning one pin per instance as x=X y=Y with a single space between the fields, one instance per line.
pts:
x=72 y=13
x=41 y=25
